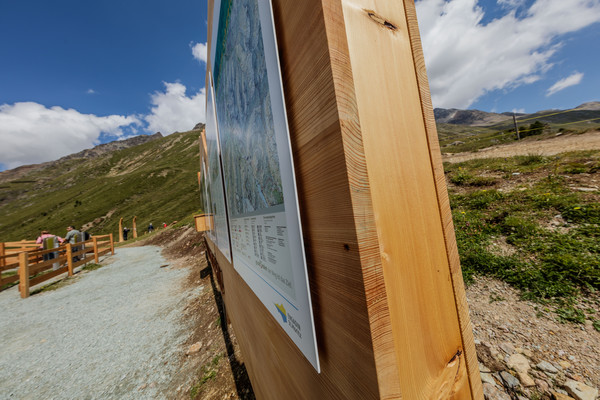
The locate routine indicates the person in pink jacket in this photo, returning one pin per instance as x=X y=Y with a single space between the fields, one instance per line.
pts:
x=44 y=235
x=40 y=240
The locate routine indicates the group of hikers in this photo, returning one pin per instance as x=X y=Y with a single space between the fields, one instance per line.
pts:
x=46 y=240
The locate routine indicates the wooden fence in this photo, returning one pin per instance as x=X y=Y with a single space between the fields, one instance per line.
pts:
x=34 y=266
x=11 y=250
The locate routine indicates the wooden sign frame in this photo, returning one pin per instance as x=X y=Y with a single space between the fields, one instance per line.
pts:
x=389 y=304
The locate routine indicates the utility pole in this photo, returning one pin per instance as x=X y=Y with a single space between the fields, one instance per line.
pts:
x=516 y=127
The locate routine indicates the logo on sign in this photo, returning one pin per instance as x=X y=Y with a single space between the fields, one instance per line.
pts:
x=282 y=312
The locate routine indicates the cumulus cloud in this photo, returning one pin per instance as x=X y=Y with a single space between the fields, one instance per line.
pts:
x=32 y=133
x=91 y=91
x=511 y=3
x=172 y=110
x=199 y=50
x=572 y=80
x=467 y=58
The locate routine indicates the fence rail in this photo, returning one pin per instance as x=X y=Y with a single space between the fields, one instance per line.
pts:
x=34 y=266
x=9 y=251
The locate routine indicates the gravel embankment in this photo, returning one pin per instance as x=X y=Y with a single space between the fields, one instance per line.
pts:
x=114 y=333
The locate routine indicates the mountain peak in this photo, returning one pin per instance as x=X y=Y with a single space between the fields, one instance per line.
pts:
x=590 y=105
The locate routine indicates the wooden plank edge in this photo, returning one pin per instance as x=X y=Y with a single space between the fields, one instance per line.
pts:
x=444 y=203
x=371 y=264
x=9 y=279
x=45 y=277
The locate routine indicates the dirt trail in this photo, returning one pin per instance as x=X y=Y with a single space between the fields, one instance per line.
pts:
x=531 y=145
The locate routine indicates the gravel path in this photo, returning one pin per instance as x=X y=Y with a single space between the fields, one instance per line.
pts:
x=114 y=333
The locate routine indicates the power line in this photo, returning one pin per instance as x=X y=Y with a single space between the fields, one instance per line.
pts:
x=549 y=115
x=521 y=130
x=583 y=120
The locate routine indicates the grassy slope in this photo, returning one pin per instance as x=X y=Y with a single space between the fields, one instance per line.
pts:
x=524 y=220
x=155 y=181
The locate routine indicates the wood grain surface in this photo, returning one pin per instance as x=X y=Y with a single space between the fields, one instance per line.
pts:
x=390 y=312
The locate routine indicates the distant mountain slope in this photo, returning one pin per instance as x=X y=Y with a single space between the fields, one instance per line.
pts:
x=471 y=130
x=102 y=149
x=454 y=116
x=468 y=117
x=151 y=177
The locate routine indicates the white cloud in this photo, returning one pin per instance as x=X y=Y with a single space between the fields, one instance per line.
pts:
x=572 y=80
x=173 y=111
x=199 y=50
x=466 y=58
x=91 y=91
x=511 y=3
x=32 y=133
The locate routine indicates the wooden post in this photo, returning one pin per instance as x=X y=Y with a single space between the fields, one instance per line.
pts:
x=383 y=266
x=134 y=227
x=112 y=245
x=121 y=230
x=96 y=258
x=516 y=127
x=2 y=253
x=70 y=259
x=24 y=274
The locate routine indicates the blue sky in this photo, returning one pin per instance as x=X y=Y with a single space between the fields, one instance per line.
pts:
x=78 y=73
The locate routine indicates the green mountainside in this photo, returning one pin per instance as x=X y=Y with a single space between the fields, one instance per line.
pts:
x=155 y=181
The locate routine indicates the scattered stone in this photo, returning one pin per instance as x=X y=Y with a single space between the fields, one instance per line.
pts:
x=564 y=364
x=526 y=352
x=152 y=385
x=525 y=379
x=483 y=368
x=142 y=387
x=519 y=363
x=578 y=378
x=542 y=385
x=194 y=348
x=507 y=348
x=492 y=393
x=560 y=396
x=509 y=381
x=547 y=367
x=580 y=391
x=488 y=378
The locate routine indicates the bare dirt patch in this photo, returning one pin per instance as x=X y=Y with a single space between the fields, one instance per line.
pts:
x=504 y=323
x=531 y=145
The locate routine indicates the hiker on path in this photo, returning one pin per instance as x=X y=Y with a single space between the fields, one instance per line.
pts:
x=150 y=228
x=125 y=231
x=44 y=235
x=41 y=240
x=72 y=236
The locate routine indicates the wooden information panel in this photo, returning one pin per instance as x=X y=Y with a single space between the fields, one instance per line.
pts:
x=389 y=306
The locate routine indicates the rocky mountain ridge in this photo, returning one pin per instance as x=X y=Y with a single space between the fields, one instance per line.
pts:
x=455 y=116
x=97 y=151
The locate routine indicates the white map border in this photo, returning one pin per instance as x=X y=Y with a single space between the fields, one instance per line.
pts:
x=265 y=292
